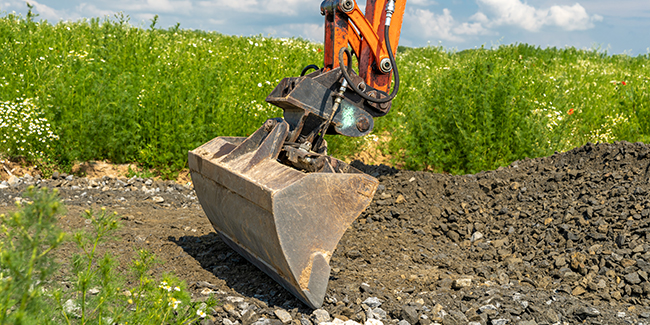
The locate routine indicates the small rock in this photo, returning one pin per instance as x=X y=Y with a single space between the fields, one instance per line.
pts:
x=71 y=308
x=632 y=278
x=283 y=315
x=364 y=287
x=93 y=291
x=373 y=322
x=454 y=236
x=350 y=322
x=409 y=314
x=320 y=316
x=585 y=311
x=620 y=314
x=476 y=236
x=501 y=321
x=231 y=310
x=403 y=322
x=461 y=283
x=262 y=321
x=486 y=308
x=248 y=316
x=528 y=322
x=157 y=199
x=13 y=181
x=55 y=175
x=400 y=199
x=571 y=276
x=354 y=254
x=4 y=184
x=578 y=291
x=379 y=313
x=372 y=302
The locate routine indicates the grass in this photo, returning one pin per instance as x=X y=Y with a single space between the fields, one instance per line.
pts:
x=113 y=91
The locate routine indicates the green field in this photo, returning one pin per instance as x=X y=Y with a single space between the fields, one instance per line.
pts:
x=105 y=89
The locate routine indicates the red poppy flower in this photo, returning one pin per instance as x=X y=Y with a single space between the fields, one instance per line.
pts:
x=623 y=83
x=570 y=111
x=320 y=50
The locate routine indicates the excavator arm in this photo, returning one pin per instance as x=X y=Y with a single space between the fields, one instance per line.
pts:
x=276 y=197
x=335 y=99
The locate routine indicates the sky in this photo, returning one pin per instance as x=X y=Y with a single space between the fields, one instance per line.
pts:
x=617 y=26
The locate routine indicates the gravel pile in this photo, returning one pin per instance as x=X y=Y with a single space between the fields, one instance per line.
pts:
x=105 y=191
x=555 y=240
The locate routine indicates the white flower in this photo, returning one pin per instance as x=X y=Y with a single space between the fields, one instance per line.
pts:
x=259 y=84
x=200 y=313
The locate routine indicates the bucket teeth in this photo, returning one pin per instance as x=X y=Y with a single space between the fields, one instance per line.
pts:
x=285 y=221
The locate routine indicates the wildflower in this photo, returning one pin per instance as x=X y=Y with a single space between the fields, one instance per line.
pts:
x=200 y=313
x=570 y=111
x=623 y=83
x=259 y=84
x=130 y=301
x=174 y=303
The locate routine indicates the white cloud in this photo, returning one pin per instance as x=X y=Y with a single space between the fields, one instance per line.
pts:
x=572 y=18
x=312 y=32
x=431 y=25
x=421 y=3
x=516 y=13
x=434 y=27
x=284 y=7
x=157 y=6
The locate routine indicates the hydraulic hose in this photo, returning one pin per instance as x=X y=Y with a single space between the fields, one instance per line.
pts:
x=346 y=74
x=307 y=68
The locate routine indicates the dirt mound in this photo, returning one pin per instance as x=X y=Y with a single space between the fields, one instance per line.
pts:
x=560 y=239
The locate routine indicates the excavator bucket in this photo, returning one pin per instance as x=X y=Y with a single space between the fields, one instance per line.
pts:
x=285 y=221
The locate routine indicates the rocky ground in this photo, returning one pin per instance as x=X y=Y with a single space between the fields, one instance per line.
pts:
x=557 y=240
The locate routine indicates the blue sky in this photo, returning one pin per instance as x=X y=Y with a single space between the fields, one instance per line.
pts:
x=618 y=26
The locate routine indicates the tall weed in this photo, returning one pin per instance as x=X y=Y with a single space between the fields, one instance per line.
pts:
x=30 y=293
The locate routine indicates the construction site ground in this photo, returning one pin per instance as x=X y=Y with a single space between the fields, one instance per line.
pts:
x=563 y=239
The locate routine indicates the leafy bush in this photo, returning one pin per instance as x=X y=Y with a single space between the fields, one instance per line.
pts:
x=97 y=295
x=114 y=91
x=480 y=109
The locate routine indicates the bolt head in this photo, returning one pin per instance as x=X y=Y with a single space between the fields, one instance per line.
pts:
x=385 y=66
x=363 y=124
x=346 y=5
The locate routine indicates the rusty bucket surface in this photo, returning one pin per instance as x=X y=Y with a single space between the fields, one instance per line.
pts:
x=283 y=220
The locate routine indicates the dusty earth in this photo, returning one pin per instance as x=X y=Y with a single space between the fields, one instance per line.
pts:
x=563 y=239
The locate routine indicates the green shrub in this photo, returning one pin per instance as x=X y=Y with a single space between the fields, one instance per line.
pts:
x=97 y=294
x=114 y=91
x=480 y=109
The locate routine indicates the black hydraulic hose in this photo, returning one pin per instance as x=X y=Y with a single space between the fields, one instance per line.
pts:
x=307 y=68
x=354 y=87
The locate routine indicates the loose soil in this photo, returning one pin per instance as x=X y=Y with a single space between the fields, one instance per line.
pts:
x=559 y=239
